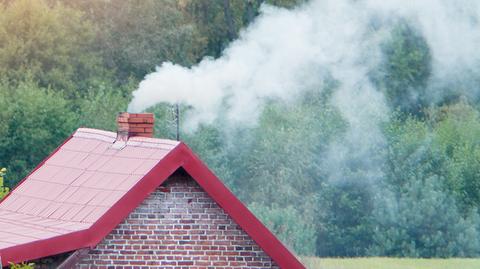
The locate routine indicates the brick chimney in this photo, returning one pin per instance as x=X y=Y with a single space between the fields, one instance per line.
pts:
x=134 y=124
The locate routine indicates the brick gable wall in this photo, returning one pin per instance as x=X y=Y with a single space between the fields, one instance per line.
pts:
x=178 y=226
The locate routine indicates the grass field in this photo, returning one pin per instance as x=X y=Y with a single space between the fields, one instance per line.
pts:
x=391 y=263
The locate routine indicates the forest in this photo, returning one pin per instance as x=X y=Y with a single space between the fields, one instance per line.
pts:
x=402 y=183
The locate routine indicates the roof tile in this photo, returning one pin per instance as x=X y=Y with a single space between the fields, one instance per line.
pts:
x=76 y=185
x=76 y=197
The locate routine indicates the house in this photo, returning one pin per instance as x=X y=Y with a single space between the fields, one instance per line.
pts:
x=128 y=200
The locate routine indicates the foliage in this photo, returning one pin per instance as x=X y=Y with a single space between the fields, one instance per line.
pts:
x=406 y=68
x=423 y=221
x=430 y=199
x=3 y=189
x=289 y=225
x=345 y=225
x=100 y=106
x=22 y=265
x=456 y=133
x=408 y=150
x=34 y=120
x=49 y=44
x=220 y=21
x=134 y=38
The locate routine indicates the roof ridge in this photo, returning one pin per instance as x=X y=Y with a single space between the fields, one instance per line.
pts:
x=98 y=134
x=136 y=141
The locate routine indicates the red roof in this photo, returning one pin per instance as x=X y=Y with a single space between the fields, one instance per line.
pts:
x=84 y=189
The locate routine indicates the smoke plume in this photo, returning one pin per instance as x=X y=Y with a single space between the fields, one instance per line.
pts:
x=286 y=52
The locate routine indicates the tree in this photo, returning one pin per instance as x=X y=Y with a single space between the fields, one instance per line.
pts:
x=219 y=22
x=134 y=37
x=409 y=151
x=34 y=121
x=289 y=225
x=455 y=136
x=405 y=70
x=100 y=106
x=51 y=45
x=3 y=189
x=423 y=221
x=344 y=220
x=428 y=206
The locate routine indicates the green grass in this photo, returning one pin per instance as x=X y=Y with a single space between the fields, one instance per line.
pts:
x=390 y=263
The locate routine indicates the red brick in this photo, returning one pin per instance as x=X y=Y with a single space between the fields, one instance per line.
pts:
x=141 y=115
x=140 y=120
x=170 y=229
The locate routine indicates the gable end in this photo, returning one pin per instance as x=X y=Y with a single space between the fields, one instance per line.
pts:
x=178 y=226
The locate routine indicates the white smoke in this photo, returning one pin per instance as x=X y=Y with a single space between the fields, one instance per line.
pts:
x=277 y=57
x=277 y=54
x=286 y=52
x=452 y=31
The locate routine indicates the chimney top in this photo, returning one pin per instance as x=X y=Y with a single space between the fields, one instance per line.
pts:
x=134 y=124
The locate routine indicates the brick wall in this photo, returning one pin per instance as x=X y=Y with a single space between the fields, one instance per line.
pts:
x=177 y=226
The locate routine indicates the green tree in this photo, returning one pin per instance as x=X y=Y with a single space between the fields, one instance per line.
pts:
x=428 y=206
x=455 y=135
x=404 y=72
x=344 y=219
x=220 y=22
x=287 y=149
x=34 y=122
x=100 y=106
x=290 y=225
x=423 y=221
x=409 y=151
x=134 y=37
x=3 y=189
x=51 y=44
